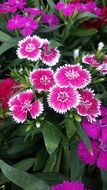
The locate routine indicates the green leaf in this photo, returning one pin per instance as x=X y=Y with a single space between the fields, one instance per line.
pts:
x=54 y=44
x=22 y=179
x=52 y=4
x=7 y=45
x=83 y=136
x=52 y=136
x=86 y=32
x=25 y=164
x=86 y=14
x=4 y=37
x=104 y=179
x=40 y=159
x=70 y=127
x=76 y=166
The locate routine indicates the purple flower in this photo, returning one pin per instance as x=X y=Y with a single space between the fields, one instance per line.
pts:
x=19 y=4
x=33 y=11
x=7 y=8
x=50 y=19
x=14 y=23
x=29 y=25
x=66 y=185
x=97 y=131
x=66 y=9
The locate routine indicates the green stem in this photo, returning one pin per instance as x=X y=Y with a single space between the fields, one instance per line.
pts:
x=104 y=4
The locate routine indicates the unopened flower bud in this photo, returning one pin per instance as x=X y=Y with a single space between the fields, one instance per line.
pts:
x=76 y=53
x=100 y=46
x=38 y=124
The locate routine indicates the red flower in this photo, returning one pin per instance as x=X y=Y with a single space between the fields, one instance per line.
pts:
x=7 y=88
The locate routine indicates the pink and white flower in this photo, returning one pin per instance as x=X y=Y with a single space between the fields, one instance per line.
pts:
x=49 y=56
x=42 y=79
x=89 y=106
x=29 y=48
x=62 y=99
x=103 y=66
x=73 y=75
x=91 y=60
x=22 y=104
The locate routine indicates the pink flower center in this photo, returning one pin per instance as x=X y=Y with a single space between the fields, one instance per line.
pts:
x=27 y=24
x=63 y=96
x=72 y=74
x=30 y=47
x=86 y=103
x=103 y=145
x=45 y=80
x=27 y=105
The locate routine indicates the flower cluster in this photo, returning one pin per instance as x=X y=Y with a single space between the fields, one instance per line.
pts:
x=65 y=88
x=11 y=6
x=97 y=131
x=34 y=48
x=68 y=9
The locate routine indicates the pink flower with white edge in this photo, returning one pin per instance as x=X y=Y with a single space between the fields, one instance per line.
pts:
x=29 y=48
x=22 y=104
x=62 y=99
x=102 y=68
x=89 y=106
x=49 y=56
x=73 y=75
x=42 y=79
x=91 y=60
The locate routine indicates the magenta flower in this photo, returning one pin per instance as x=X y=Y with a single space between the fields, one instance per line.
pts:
x=50 y=19
x=24 y=103
x=97 y=129
x=67 y=9
x=20 y=4
x=97 y=157
x=42 y=79
x=91 y=60
x=49 y=56
x=66 y=185
x=7 y=8
x=29 y=48
x=29 y=25
x=89 y=105
x=14 y=23
x=33 y=11
x=73 y=75
x=62 y=99
x=103 y=66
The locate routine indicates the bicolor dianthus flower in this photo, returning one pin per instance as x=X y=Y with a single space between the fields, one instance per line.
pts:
x=42 y=79
x=73 y=75
x=89 y=106
x=49 y=56
x=62 y=99
x=22 y=104
x=29 y=48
